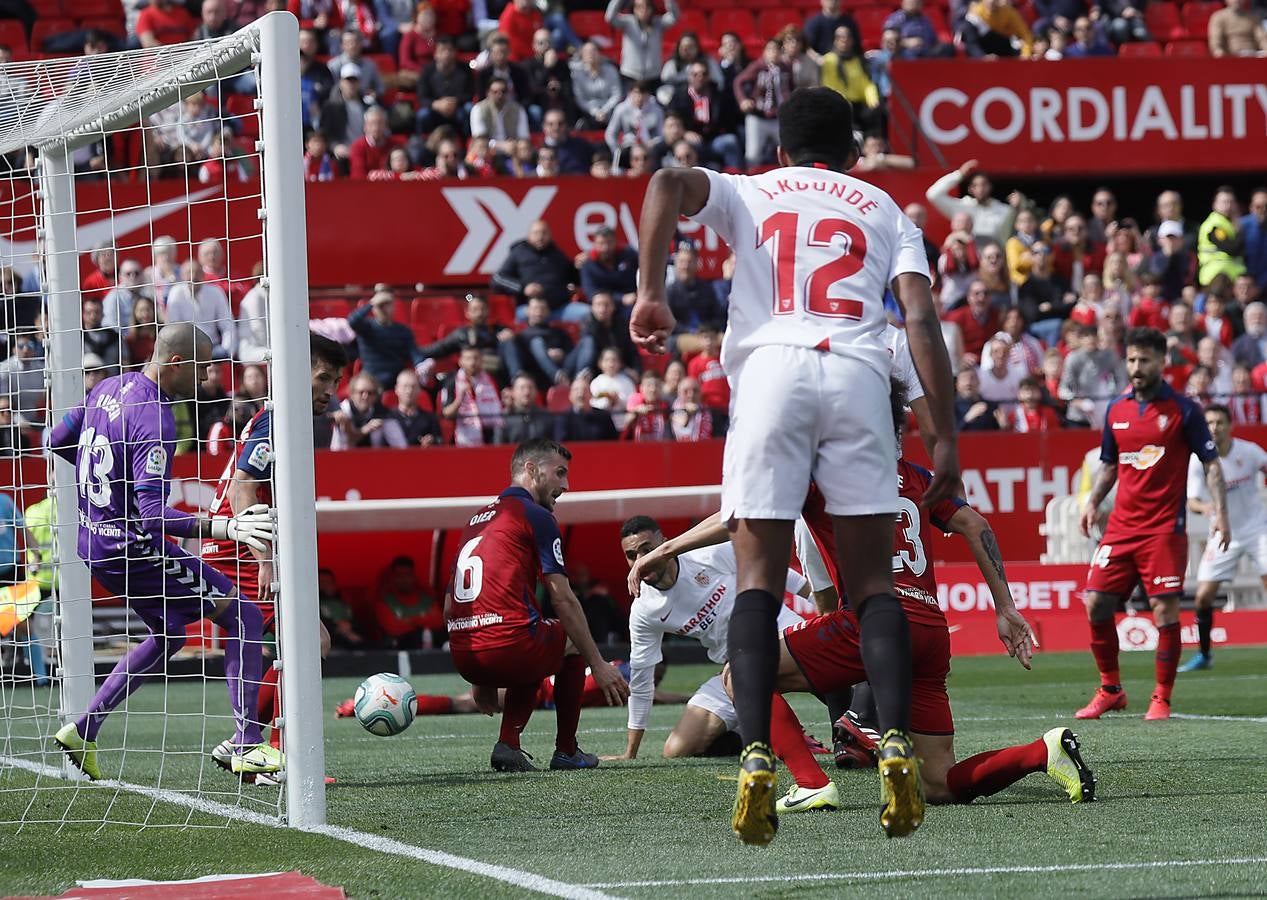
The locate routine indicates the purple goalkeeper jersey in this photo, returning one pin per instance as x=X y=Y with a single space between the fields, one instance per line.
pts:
x=122 y=440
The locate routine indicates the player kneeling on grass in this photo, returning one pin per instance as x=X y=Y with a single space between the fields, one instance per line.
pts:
x=823 y=655
x=497 y=635
x=121 y=440
x=1242 y=461
x=693 y=595
x=245 y=483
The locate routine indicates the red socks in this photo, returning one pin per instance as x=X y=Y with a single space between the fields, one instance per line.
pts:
x=569 y=685
x=269 y=705
x=434 y=705
x=990 y=772
x=1104 y=648
x=788 y=741
x=1166 y=662
x=516 y=711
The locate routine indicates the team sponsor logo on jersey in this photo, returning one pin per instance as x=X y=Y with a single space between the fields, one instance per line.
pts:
x=156 y=461
x=1121 y=426
x=261 y=456
x=1162 y=420
x=1144 y=458
x=701 y=578
x=111 y=405
x=558 y=551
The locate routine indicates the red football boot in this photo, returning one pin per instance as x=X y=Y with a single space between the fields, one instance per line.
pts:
x=852 y=746
x=1159 y=708
x=1102 y=701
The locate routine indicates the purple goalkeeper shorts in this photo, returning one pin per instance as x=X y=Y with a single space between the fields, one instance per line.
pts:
x=164 y=578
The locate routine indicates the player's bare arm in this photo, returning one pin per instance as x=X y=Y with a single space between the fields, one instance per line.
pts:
x=671 y=193
x=1199 y=506
x=707 y=533
x=1218 y=492
x=1105 y=478
x=568 y=609
x=932 y=363
x=1014 y=631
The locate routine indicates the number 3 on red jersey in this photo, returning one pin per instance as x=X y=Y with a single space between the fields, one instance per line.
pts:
x=838 y=263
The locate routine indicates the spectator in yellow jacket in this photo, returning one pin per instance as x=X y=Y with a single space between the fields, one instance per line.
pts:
x=844 y=70
x=994 y=28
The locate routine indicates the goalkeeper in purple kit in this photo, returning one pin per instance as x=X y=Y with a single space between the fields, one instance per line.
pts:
x=121 y=441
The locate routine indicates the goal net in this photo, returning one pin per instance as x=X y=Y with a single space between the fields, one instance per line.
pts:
x=157 y=185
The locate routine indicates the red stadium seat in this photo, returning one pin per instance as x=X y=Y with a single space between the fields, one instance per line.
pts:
x=385 y=61
x=1163 y=21
x=107 y=24
x=336 y=308
x=437 y=311
x=937 y=17
x=1139 y=50
x=1196 y=17
x=771 y=21
x=501 y=309
x=13 y=35
x=47 y=9
x=713 y=4
x=557 y=399
x=740 y=21
x=46 y=28
x=693 y=20
x=589 y=23
x=1191 y=49
x=93 y=9
x=870 y=21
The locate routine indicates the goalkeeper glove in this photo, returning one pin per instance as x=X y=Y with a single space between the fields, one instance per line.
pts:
x=253 y=526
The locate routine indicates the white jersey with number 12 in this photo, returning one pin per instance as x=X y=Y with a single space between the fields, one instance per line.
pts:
x=815 y=250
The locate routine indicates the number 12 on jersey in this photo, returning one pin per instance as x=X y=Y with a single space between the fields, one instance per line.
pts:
x=830 y=262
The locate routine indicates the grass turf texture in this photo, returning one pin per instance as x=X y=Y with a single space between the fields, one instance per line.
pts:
x=1178 y=790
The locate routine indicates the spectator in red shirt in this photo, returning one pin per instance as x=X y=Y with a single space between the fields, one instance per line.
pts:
x=319 y=163
x=519 y=20
x=649 y=413
x=977 y=320
x=1076 y=253
x=1215 y=319
x=453 y=18
x=164 y=22
x=1150 y=309
x=103 y=277
x=417 y=47
x=1031 y=414
x=706 y=368
x=370 y=151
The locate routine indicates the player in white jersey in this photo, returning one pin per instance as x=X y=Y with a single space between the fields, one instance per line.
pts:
x=1243 y=462
x=692 y=595
x=805 y=353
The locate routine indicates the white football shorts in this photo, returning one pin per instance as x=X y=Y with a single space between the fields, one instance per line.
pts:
x=711 y=697
x=797 y=413
x=1221 y=565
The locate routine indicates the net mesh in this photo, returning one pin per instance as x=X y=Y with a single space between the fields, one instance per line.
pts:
x=167 y=191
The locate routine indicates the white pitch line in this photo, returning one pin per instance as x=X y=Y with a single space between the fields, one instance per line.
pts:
x=517 y=877
x=938 y=873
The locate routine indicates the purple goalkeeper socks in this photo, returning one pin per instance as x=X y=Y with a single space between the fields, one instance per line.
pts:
x=134 y=670
x=243 y=666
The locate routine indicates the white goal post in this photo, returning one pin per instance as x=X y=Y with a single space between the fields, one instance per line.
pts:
x=68 y=104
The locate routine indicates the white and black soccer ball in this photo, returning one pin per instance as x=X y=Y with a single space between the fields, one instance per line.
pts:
x=385 y=704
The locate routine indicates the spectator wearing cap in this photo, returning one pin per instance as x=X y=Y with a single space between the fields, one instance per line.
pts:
x=1237 y=30
x=342 y=118
x=537 y=260
x=1169 y=208
x=95 y=372
x=642 y=31
x=991 y=218
x=760 y=89
x=917 y=38
x=385 y=345
x=1219 y=244
x=1172 y=263
x=371 y=150
x=498 y=117
x=1253 y=229
x=352 y=50
x=610 y=268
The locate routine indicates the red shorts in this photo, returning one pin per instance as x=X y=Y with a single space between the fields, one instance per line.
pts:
x=538 y=654
x=1158 y=560
x=245 y=575
x=827 y=651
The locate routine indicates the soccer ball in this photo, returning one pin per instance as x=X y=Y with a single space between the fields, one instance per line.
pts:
x=385 y=704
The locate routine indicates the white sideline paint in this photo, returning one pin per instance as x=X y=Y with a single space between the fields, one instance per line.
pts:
x=941 y=873
x=517 y=877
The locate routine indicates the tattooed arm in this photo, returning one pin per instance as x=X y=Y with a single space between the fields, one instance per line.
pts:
x=1218 y=492
x=1014 y=631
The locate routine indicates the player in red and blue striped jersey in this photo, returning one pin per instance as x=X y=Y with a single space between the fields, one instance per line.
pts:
x=1149 y=433
x=497 y=634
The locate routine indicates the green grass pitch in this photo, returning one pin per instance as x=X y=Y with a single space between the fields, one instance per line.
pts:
x=1188 y=790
